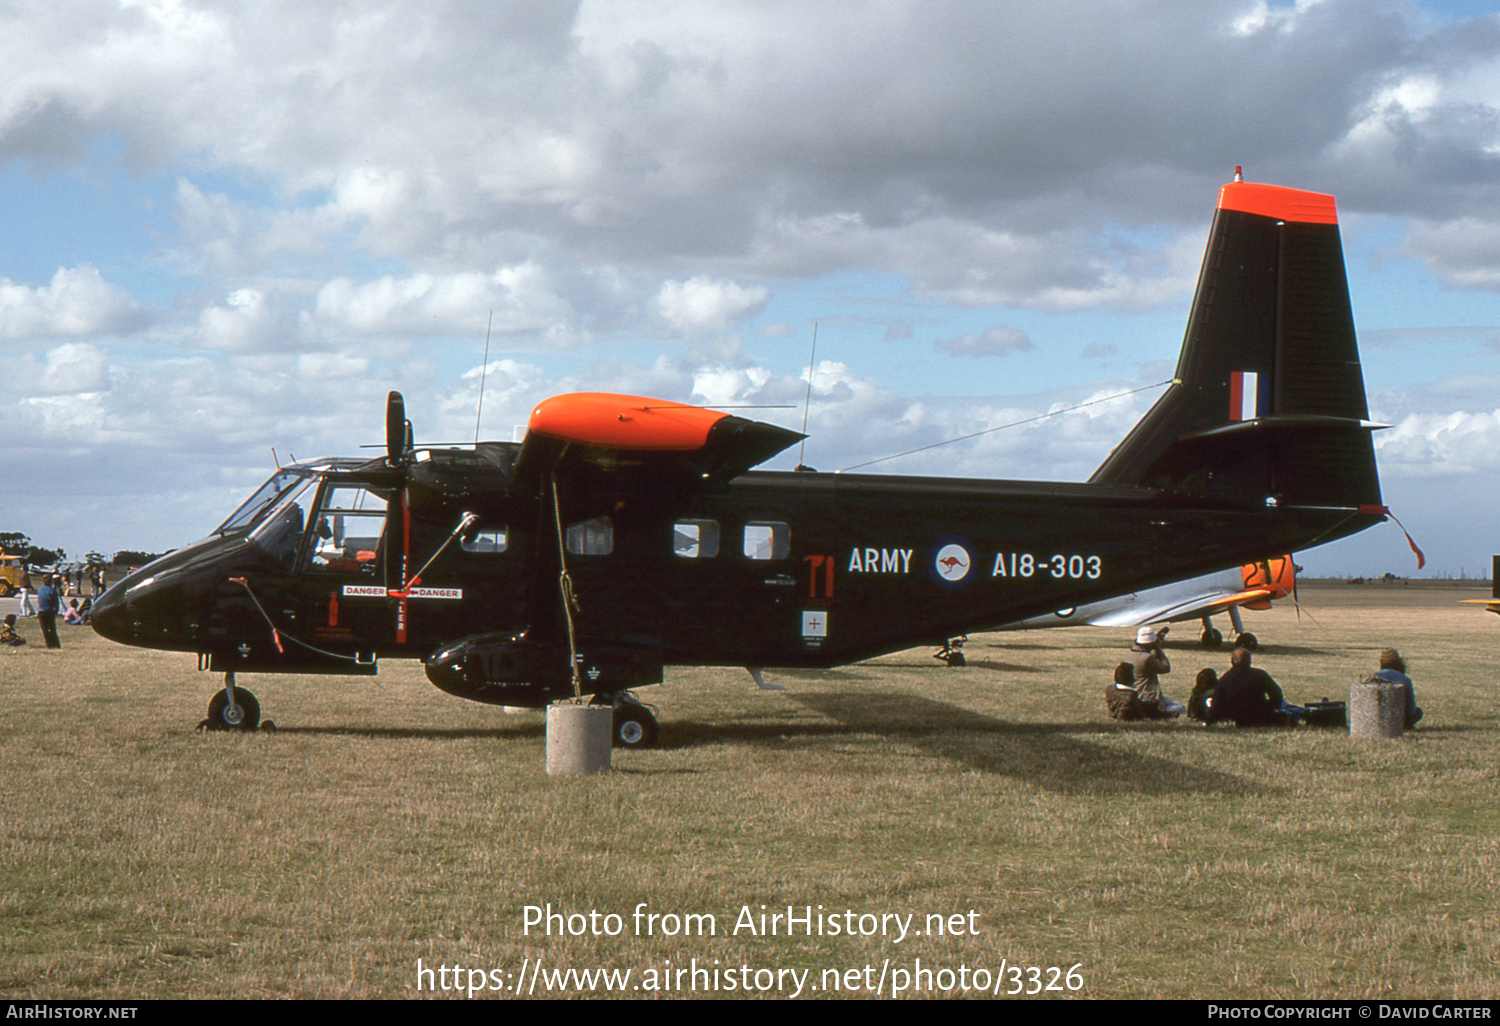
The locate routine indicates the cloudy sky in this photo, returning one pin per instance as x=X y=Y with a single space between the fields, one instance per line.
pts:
x=231 y=228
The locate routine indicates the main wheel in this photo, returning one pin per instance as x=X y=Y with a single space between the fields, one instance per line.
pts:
x=1249 y=642
x=244 y=716
x=634 y=726
x=1211 y=638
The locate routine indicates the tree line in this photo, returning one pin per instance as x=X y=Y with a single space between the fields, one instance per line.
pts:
x=15 y=543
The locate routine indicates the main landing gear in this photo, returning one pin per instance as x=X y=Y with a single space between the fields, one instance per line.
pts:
x=1212 y=637
x=952 y=652
x=234 y=709
x=635 y=725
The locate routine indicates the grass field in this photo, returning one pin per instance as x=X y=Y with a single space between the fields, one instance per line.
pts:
x=387 y=823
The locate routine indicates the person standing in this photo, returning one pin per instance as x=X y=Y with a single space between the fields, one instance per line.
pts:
x=26 y=607
x=47 y=604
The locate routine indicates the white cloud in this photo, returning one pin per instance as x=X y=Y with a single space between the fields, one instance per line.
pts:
x=997 y=340
x=249 y=320
x=70 y=369
x=1434 y=445
x=721 y=386
x=78 y=301
x=332 y=366
x=1465 y=251
x=1262 y=17
x=75 y=367
x=521 y=299
x=702 y=306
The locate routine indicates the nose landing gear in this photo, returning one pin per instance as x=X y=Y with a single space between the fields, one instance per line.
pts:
x=234 y=709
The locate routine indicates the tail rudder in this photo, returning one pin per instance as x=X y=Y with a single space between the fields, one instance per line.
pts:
x=1268 y=403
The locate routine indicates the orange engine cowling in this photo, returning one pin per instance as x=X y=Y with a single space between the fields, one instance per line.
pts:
x=1279 y=575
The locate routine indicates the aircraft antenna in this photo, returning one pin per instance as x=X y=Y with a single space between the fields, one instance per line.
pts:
x=483 y=369
x=812 y=362
x=1002 y=427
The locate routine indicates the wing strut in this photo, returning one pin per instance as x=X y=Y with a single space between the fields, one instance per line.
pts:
x=570 y=601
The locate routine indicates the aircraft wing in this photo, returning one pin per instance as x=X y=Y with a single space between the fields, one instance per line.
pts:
x=1254 y=586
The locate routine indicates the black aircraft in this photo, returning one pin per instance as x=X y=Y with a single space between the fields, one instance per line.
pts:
x=624 y=535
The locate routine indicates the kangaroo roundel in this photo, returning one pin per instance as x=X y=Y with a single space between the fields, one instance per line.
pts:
x=952 y=563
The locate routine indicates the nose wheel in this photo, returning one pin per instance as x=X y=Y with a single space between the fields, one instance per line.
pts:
x=234 y=708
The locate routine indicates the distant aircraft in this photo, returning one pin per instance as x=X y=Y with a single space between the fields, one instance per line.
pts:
x=1252 y=586
x=624 y=535
x=1491 y=604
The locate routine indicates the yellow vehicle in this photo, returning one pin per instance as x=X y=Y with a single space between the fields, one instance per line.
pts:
x=11 y=569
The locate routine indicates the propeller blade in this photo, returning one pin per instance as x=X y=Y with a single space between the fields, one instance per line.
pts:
x=397 y=429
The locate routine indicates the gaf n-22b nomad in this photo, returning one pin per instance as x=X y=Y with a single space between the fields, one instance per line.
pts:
x=624 y=535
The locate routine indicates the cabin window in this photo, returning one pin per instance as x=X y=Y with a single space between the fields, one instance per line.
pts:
x=696 y=539
x=487 y=540
x=594 y=537
x=350 y=524
x=767 y=540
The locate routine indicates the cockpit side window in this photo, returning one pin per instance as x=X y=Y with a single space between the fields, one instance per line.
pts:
x=347 y=531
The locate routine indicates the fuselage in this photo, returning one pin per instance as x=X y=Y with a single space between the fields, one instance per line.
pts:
x=316 y=572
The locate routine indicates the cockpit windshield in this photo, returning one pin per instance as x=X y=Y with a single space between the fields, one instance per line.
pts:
x=279 y=530
x=265 y=499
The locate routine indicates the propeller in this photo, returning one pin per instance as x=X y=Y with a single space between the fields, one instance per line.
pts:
x=397 y=429
x=1296 y=600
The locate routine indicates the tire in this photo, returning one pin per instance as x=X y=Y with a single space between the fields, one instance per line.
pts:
x=1249 y=642
x=634 y=727
x=6 y=589
x=1211 y=638
x=218 y=708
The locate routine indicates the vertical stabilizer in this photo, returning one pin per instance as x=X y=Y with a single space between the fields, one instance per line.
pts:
x=1268 y=404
